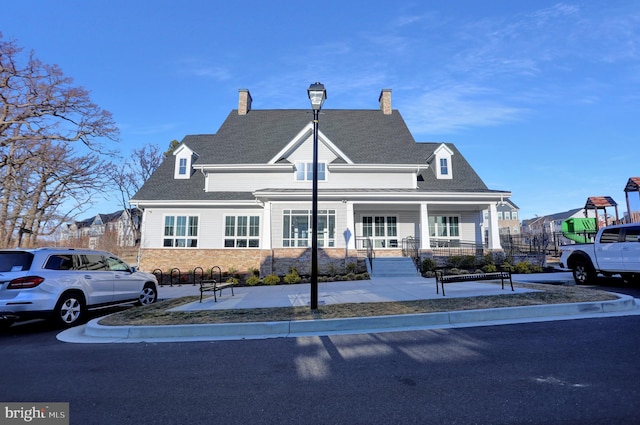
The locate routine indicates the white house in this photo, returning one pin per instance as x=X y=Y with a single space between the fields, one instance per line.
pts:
x=241 y=198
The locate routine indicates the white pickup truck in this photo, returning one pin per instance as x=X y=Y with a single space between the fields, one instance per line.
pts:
x=616 y=250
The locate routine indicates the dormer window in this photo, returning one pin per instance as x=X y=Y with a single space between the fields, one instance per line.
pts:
x=182 y=169
x=184 y=161
x=444 y=167
x=441 y=163
x=304 y=171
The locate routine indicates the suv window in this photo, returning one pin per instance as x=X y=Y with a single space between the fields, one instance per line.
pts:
x=92 y=262
x=59 y=262
x=116 y=264
x=15 y=261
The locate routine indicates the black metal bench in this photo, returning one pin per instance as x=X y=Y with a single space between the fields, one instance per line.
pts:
x=214 y=285
x=442 y=278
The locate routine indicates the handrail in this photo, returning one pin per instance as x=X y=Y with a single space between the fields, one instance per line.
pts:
x=411 y=249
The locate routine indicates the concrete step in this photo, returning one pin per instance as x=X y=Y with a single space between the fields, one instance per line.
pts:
x=394 y=267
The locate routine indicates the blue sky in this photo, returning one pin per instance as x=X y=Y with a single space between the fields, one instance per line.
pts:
x=541 y=97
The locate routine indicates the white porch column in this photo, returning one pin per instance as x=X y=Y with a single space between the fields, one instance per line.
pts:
x=425 y=241
x=351 y=226
x=266 y=226
x=494 y=232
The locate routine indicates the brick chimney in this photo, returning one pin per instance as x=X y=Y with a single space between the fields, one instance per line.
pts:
x=244 y=102
x=385 y=101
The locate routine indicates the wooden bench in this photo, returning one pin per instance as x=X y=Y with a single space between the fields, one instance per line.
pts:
x=443 y=278
x=214 y=285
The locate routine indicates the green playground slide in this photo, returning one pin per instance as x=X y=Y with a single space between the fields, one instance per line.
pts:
x=580 y=230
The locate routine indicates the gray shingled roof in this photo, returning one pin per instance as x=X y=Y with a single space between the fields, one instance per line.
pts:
x=365 y=136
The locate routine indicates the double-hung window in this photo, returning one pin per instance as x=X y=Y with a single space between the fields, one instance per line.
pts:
x=180 y=231
x=304 y=171
x=242 y=231
x=444 y=166
x=182 y=169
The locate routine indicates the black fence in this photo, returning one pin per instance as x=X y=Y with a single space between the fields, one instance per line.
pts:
x=544 y=243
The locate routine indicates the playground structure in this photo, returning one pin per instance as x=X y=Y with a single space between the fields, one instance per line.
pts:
x=580 y=230
x=583 y=230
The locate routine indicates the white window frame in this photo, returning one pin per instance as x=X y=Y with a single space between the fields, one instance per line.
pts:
x=244 y=233
x=292 y=237
x=381 y=229
x=182 y=166
x=304 y=169
x=444 y=166
x=181 y=223
x=444 y=229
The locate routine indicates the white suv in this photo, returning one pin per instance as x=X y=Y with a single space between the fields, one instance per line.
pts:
x=63 y=283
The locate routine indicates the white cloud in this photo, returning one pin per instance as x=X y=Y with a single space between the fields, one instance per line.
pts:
x=452 y=108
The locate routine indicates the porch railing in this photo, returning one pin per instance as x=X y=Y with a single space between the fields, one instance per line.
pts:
x=449 y=247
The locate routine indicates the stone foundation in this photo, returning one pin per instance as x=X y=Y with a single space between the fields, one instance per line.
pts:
x=331 y=261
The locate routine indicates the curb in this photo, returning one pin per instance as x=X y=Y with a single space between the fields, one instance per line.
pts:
x=93 y=332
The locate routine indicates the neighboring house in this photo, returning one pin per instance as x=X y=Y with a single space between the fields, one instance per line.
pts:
x=241 y=198
x=104 y=231
x=508 y=218
x=549 y=224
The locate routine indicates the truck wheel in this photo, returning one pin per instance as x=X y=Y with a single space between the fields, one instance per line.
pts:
x=583 y=273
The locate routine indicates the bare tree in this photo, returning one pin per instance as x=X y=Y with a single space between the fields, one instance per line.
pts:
x=41 y=112
x=40 y=103
x=129 y=176
x=53 y=185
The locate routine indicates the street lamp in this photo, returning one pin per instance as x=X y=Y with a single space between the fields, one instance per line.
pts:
x=317 y=96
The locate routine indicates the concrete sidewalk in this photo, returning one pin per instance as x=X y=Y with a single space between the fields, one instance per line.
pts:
x=363 y=291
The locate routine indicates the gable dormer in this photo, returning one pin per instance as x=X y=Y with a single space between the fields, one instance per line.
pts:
x=440 y=162
x=184 y=162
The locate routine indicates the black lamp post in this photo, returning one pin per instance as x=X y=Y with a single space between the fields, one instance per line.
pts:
x=317 y=95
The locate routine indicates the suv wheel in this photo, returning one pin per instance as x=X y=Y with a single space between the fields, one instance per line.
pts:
x=148 y=295
x=70 y=310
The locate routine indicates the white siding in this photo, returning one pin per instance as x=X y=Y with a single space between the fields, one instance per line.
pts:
x=380 y=180
x=305 y=152
x=248 y=182
x=210 y=228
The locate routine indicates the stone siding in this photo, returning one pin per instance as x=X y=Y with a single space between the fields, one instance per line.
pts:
x=278 y=261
